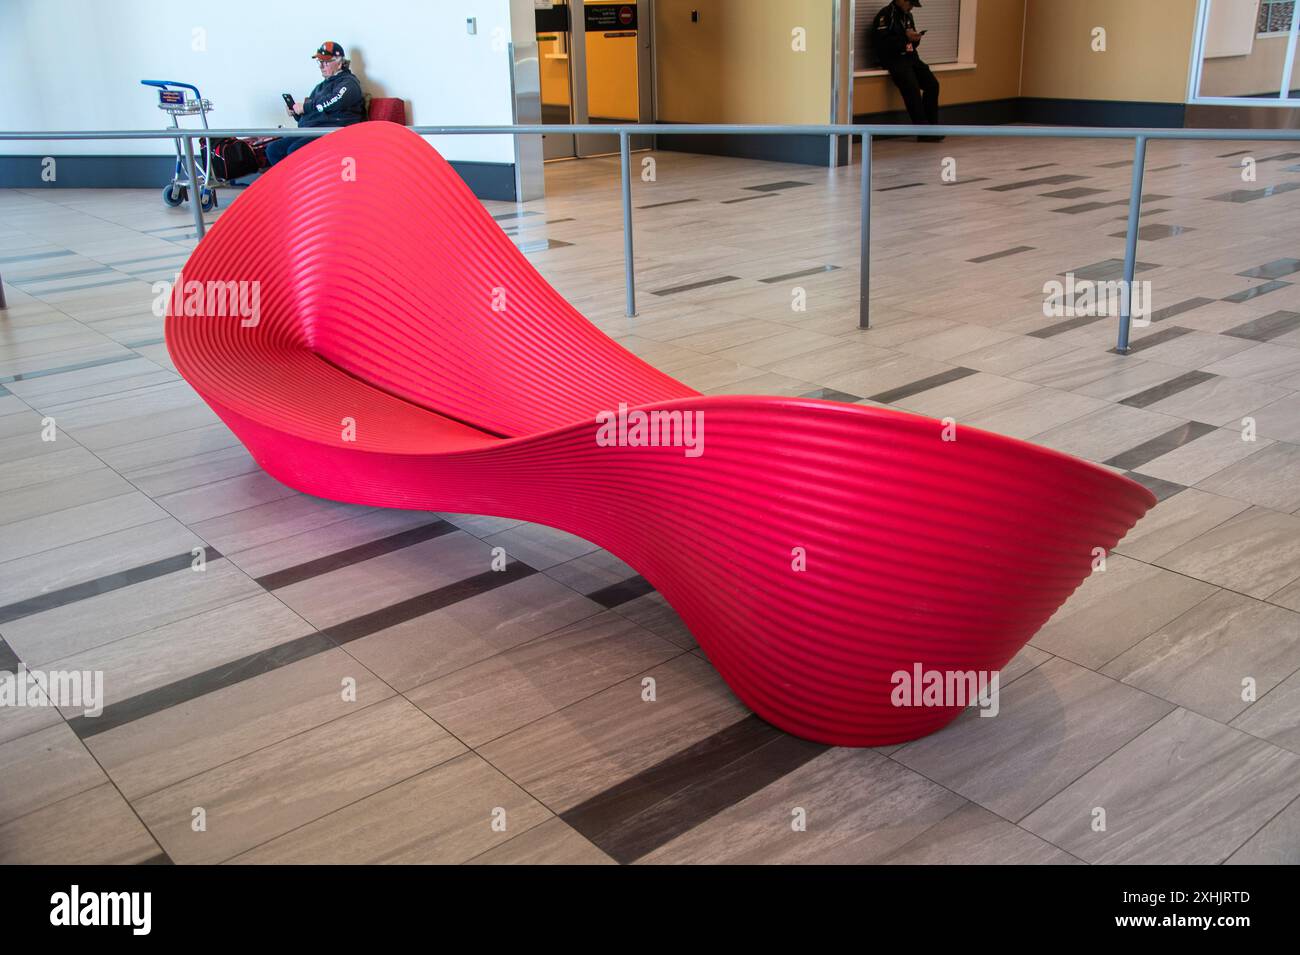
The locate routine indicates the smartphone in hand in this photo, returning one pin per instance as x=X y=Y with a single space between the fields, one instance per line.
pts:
x=288 y=102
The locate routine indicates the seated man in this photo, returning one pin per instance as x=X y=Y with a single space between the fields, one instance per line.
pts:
x=336 y=101
x=894 y=38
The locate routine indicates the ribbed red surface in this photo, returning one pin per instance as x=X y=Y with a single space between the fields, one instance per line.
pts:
x=395 y=301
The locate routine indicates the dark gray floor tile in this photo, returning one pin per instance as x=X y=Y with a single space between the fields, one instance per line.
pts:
x=1272 y=270
x=28 y=375
x=1067 y=325
x=1089 y=207
x=1163 y=490
x=1173 y=386
x=925 y=384
x=1074 y=192
x=1255 y=291
x=659 y=804
x=1267 y=327
x=817 y=270
x=1134 y=458
x=777 y=186
x=830 y=394
x=1003 y=254
x=670 y=202
x=1107 y=269
x=1157 y=230
x=1169 y=311
x=1250 y=195
x=690 y=286
x=1030 y=183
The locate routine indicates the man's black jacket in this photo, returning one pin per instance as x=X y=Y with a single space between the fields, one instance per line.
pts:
x=336 y=101
x=888 y=35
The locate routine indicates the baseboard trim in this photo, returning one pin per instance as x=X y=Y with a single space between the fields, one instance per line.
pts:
x=1051 y=112
x=813 y=150
x=993 y=112
x=487 y=180
x=1091 y=112
x=810 y=150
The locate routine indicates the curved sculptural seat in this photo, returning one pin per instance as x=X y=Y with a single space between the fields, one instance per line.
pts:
x=405 y=354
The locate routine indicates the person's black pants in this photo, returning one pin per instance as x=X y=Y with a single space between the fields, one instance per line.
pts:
x=277 y=149
x=919 y=88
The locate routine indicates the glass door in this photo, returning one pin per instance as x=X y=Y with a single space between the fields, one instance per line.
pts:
x=595 y=65
x=554 y=45
x=615 y=71
x=1245 y=52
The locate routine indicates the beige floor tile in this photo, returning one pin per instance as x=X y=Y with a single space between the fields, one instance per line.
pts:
x=1219 y=401
x=1279 y=419
x=490 y=698
x=1175 y=521
x=1115 y=609
x=966 y=397
x=1054 y=724
x=1106 y=432
x=274 y=790
x=1277 y=843
x=201 y=732
x=42 y=768
x=975 y=836
x=469 y=631
x=540 y=546
x=1033 y=412
x=96 y=827
x=1255 y=552
x=1202 y=659
x=551 y=843
x=858 y=806
x=1270 y=478
x=445 y=815
x=1198 y=459
x=107 y=617
x=1187 y=791
x=585 y=748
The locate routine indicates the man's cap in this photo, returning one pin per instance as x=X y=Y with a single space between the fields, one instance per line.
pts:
x=329 y=49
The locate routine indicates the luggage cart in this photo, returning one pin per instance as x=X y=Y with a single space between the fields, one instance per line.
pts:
x=173 y=101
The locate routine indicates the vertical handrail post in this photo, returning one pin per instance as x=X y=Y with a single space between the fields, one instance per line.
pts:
x=196 y=194
x=864 y=249
x=2 y=292
x=1130 y=243
x=625 y=162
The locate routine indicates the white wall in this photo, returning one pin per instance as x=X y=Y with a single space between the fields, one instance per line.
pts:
x=77 y=64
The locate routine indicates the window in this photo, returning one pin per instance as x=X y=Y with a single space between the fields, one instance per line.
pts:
x=1244 y=53
x=941 y=19
x=1274 y=17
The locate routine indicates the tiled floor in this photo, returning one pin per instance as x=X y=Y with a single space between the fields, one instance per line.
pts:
x=340 y=683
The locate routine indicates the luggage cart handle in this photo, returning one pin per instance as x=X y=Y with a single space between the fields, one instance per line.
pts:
x=163 y=84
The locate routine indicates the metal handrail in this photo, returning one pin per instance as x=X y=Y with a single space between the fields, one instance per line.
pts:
x=868 y=131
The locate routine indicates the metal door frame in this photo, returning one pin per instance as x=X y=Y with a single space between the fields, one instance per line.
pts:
x=565 y=144
x=587 y=144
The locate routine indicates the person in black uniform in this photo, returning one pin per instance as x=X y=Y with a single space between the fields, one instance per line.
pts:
x=894 y=37
x=337 y=100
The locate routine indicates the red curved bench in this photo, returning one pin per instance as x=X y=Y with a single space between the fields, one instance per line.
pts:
x=394 y=301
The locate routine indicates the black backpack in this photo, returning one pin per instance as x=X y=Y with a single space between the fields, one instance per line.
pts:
x=233 y=158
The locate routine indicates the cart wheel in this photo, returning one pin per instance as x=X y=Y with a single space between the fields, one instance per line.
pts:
x=173 y=195
x=208 y=199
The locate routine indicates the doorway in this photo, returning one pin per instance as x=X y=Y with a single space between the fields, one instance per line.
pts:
x=595 y=62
